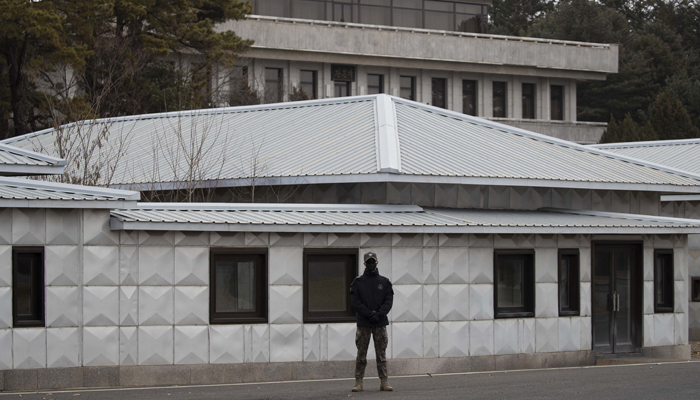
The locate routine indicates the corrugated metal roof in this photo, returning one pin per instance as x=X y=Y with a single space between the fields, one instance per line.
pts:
x=17 y=192
x=680 y=154
x=312 y=218
x=356 y=139
x=15 y=161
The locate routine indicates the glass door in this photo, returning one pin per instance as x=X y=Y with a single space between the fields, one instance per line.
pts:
x=616 y=298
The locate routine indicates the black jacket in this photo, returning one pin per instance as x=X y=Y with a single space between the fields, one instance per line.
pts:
x=371 y=292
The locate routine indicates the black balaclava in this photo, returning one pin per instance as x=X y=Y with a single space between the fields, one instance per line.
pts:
x=371 y=265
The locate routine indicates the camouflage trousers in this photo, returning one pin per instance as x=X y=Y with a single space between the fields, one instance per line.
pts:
x=364 y=333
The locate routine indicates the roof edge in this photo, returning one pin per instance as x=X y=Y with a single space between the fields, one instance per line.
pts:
x=67 y=187
x=649 y=143
x=32 y=154
x=277 y=207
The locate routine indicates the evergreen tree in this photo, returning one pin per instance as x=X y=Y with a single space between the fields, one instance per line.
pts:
x=670 y=119
x=514 y=17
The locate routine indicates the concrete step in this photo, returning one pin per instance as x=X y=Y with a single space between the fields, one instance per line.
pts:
x=632 y=360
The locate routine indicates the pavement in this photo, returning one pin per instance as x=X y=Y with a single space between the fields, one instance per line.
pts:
x=673 y=380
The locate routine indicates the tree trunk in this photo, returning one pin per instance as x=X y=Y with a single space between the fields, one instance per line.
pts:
x=21 y=106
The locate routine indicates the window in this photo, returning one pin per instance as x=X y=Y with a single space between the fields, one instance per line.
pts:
x=569 y=282
x=375 y=84
x=514 y=292
x=499 y=100
x=408 y=87
x=469 y=97
x=342 y=89
x=309 y=84
x=327 y=278
x=273 y=85
x=440 y=92
x=557 y=102
x=238 y=287
x=28 y=287
x=663 y=281
x=695 y=289
x=528 y=101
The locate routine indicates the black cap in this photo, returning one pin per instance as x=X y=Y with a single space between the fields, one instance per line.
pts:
x=370 y=255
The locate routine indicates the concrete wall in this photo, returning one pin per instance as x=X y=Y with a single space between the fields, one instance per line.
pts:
x=141 y=299
x=690 y=209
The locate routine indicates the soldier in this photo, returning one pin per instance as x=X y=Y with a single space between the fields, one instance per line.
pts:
x=372 y=298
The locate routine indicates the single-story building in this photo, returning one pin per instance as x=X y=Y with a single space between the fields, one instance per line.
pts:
x=507 y=249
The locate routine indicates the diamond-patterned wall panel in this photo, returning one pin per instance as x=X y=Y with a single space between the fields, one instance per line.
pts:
x=585 y=301
x=312 y=239
x=156 y=266
x=407 y=265
x=481 y=265
x=156 y=305
x=368 y=240
x=61 y=306
x=546 y=241
x=663 y=241
x=62 y=226
x=680 y=329
x=454 y=302
x=5 y=307
x=648 y=297
x=259 y=349
x=430 y=265
x=156 y=238
x=341 y=342
x=191 y=305
x=227 y=239
x=649 y=330
x=191 y=345
x=408 y=303
x=128 y=305
x=128 y=265
x=407 y=340
x=191 y=266
x=546 y=303
x=547 y=335
x=186 y=238
x=481 y=240
x=343 y=240
x=569 y=334
x=454 y=339
x=5 y=349
x=680 y=262
x=256 y=239
x=96 y=230
x=286 y=304
x=128 y=345
x=526 y=335
x=430 y=303
x=286 y=342
x=680 y=303
x=431 y=340
x=5 y=225
x=226 y=344
x=568 y=241
x=155 y=345
x=286 y=265
x=454 y=265
x=28 y=226
x=663 y=330
x=407 y=239
x=101 y=265
x=62 y=265
x=129 y=238
x=546 y=266
x=312 y=342
x=505 y=336
x=585 y=264
x=100 y=346
x=29 y=348
x=293 y=239
x=505 y=241
x=586 y=333
x=100 y=305
x=6 y=266
x=481 y=338
x=62 y=347
x=481 y=302
x=648 y=264
x=433 y=239
x=453 y=240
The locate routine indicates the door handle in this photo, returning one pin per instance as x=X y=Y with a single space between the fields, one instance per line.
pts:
x=618 y=301
x=613 y=298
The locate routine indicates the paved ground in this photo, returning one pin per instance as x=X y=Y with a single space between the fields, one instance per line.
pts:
x=649 y=381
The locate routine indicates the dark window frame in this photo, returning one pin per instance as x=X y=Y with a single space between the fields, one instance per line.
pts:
x=314 y=83
x=279 y=82
x=348 y=87
x=381 y=83
x=474 y=94
x=435 y=95
x=260 y=315
x=531 y=97
x=505 y=99
x=695 y=289
x=38 y=281
x=669 y=283
x=529 y=288
x=574 y=284
x=351 y=273
x=559 y=96
x=412 y=88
